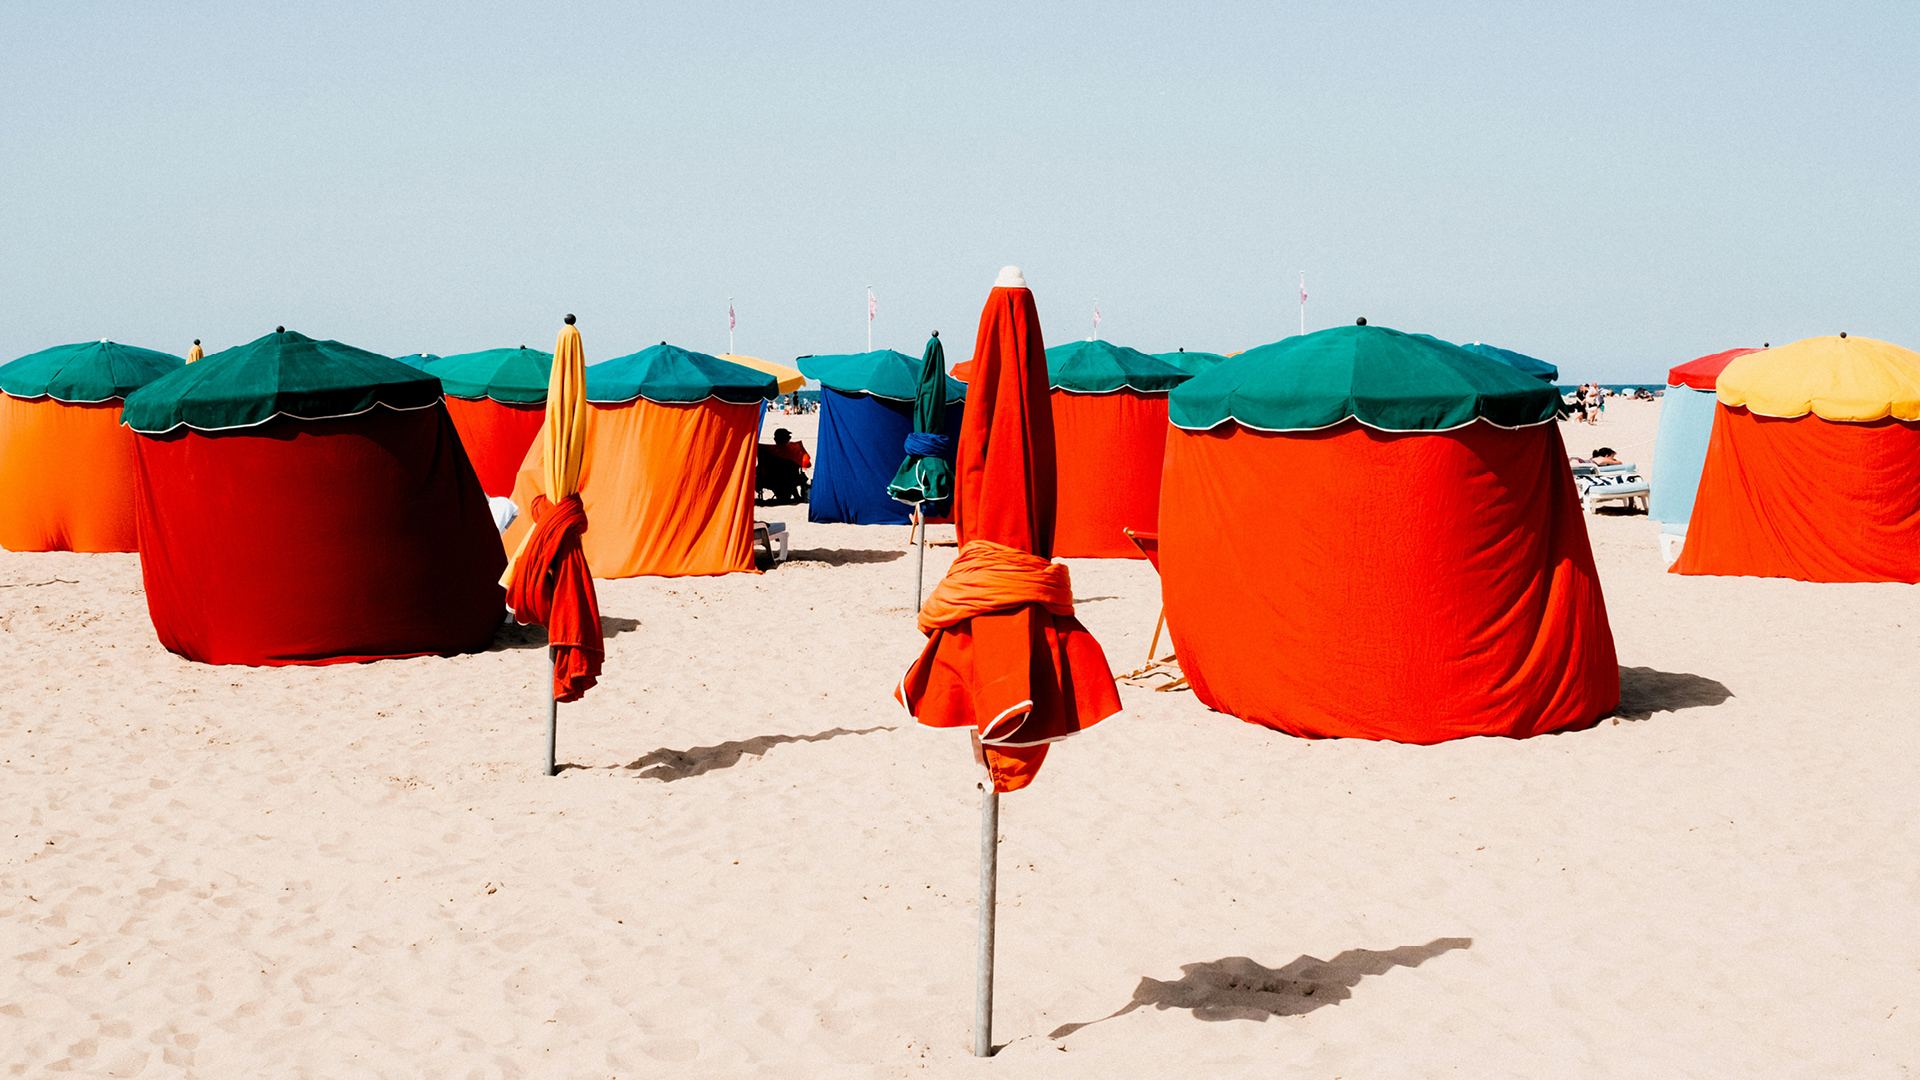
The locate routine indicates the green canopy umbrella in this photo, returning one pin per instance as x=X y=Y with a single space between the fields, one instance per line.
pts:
x=282 y=373
x=1101 y=367
x=1193 y=363
x=1386 y=379
x=927 y=473
x=418 y=360
x=513 y=375
x=1539 y=369
x=88 y=372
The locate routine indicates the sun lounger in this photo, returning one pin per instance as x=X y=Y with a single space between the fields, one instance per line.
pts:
x=1610 y=483
x=769 y=533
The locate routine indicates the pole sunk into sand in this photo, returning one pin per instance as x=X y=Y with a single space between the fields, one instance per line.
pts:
x=989 y=860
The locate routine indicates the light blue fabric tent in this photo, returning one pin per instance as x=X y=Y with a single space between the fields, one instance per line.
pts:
x=866 y=411
x=1679 y=453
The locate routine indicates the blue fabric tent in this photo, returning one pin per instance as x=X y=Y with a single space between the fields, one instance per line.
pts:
x=1679 y=453
x=863 y=435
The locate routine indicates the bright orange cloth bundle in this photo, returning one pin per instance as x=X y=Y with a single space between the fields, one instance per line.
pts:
x=989 y=577
x=551 y=585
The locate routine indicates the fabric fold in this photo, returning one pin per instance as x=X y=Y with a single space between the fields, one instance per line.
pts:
x=552 y=585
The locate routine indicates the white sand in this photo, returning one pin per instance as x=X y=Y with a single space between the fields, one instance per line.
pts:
x=756 y=867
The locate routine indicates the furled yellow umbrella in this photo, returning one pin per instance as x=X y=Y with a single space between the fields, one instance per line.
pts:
x=549 y=581
x=194 y=353
x=790 y=378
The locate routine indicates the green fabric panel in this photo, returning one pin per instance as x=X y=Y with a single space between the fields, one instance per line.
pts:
x=883 y=373
x=1193 y=363
x=669 y=374
x=1384 y=378
x=86 y=371
x=926 y=478
x=1098 y=367
x=418 y=361
x=1539 y=369
x=517 y=375
x=282 y=373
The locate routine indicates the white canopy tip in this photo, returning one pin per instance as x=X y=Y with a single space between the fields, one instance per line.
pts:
x=1010 y=278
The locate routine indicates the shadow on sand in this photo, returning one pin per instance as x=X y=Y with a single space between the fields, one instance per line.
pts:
x=843 y=556
x=1236 y=988
x=511 y=635
x=1644 y=691
x=671 y=765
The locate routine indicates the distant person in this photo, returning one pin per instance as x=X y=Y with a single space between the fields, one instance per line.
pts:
x=1605 y=455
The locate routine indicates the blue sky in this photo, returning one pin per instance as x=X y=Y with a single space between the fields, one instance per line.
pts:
x=1613 y=188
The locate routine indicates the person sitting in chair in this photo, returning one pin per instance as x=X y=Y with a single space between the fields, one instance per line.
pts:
x=787 y=447
x=777 y=468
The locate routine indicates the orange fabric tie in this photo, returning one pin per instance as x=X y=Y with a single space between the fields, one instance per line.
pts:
x=989 y=577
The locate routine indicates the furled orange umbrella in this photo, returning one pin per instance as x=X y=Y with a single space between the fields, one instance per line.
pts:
x=1005 y=656
x=549 y=581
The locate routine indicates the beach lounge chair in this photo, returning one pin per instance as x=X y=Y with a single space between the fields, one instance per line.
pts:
x=1168 y=666
x=771 y=535
x=1610 y=483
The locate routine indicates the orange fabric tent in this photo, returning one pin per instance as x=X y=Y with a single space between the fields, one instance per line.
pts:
x=1108 y=450
x=668 y=488
x=66 y=476
x=1810 y=468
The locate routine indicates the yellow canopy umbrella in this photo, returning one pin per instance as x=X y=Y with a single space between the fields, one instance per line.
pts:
x=194 y=353
x=1848 y=379
x=790 y=378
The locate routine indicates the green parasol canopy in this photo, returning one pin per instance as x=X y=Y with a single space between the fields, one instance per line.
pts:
x=1193 y=363
x=86 y=372
x=1099 y=367
x=418 y=361
x=282 y=374
x=670 y=375
x=1539 y=369
x=883 y=373
x=518 y=376
x=926 y=476
x=1384 y=378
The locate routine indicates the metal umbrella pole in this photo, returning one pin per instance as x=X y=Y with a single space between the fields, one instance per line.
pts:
x=553 y=706
x=989 y=866
x=920 y=567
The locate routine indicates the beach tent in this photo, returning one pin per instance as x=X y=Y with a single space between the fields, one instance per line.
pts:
x=1680 y=447
x=1193 y=363
x=307 y=502
x=1539 y=369
x=1372 y=534
x=1110 y=434
x=498 y=400
x=789 y=379
x=418 y=361
x=1810 y=471
x=66 y=465
x=866 y=412
x=668 y=477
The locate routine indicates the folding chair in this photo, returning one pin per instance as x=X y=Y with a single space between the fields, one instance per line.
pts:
x=1167 y=666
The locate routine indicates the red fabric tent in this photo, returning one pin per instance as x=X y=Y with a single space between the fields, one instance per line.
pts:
x=1108 y=450
x=318 y=541
x=1007 y=657
x=1416 y=586
x=496 y=435
x=1704 y=372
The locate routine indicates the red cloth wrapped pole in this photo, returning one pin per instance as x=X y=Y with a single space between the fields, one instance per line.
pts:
x=1004 y=655
x=551 y=585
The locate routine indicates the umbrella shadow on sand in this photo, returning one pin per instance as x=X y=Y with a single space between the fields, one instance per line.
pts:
x=671 y=765
x=1644 y=691
x=1237 y=988
x=511 y=635
x=843 y=556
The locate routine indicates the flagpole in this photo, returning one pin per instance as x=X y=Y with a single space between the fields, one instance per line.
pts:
x=983 y=972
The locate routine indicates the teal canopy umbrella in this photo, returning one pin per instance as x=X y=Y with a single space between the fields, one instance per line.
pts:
x=284 y=373
x=87 y=372
x=1385 y=379
x=1100 y=367
x=927 y=473
x=883 y=373
x=669 y=374
x=1193 y=363
x=419 y=360
x=513 y=375
x=1539 y=369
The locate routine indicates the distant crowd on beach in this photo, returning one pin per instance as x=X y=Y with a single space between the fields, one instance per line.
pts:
x=1589 y=400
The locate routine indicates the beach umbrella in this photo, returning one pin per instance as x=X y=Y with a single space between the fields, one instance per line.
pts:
x=927 y=473
x=866 y=414
x=418 y=361
x=195 y=353
x=1193 y=363
x=789 y=378
x=549 y=581
x=1005 y=656
x=497 y=398
x=1110 y=438
x=1539 y=369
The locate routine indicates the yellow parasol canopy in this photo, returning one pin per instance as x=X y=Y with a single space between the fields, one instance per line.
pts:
x=565 y=431
x=1841 y=378
x=790 y=378
x=194 y=353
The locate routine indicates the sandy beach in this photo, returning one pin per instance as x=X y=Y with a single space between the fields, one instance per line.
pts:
x=754 y=864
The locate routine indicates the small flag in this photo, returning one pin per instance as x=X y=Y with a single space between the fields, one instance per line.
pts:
x=1096 y=316
x=1303 y=290
x=873 y=306
x=730 y=320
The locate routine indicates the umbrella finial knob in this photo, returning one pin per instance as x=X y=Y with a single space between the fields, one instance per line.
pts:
x=1843 y=333
x=279 y=329
x=936 y=333
x=1010 y=278
x=1361 y=321
x=569 y=319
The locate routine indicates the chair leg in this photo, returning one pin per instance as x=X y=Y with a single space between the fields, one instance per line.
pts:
x=1161 y=622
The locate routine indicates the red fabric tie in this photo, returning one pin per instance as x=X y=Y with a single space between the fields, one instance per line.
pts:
x=552 y=586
